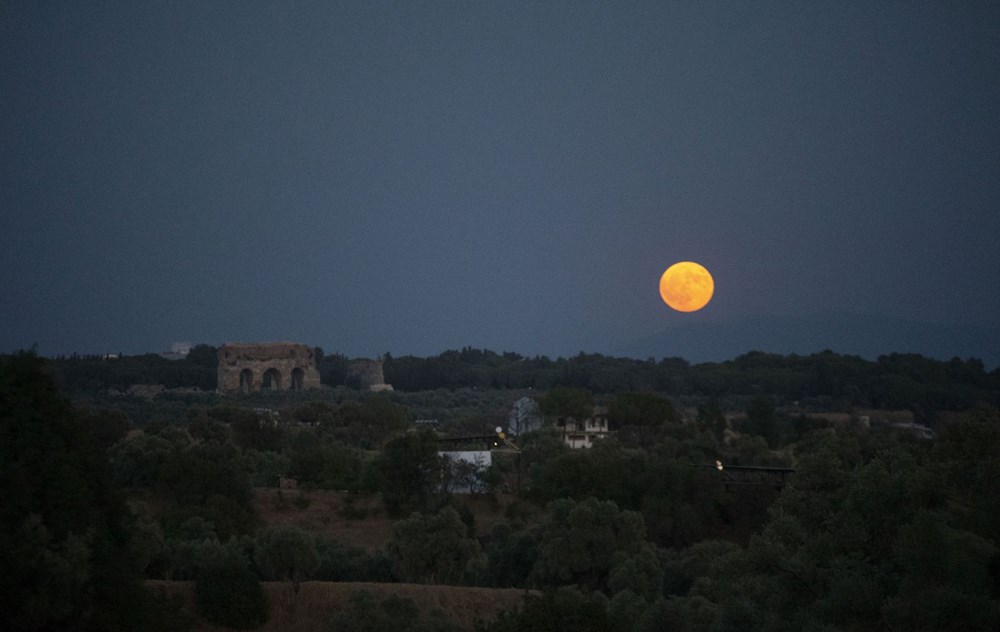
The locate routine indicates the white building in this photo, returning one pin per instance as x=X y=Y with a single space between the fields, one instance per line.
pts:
x=462 y=471
x=524 y=417
x=581 y=433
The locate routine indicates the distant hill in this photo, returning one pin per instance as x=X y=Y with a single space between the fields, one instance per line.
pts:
x=867 y=336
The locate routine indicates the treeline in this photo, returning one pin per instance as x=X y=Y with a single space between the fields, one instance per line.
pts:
x=824 y=381
x=89 y=374
x=892 y=381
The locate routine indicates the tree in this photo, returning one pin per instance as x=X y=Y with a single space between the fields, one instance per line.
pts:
x=391 y=614
x=606 y=471
x=204 y=428
x=583 y=543
x=249 y=429
x=566 y=608
x=410 y=471
x=106 y=427
x=203 y=355
x=711 y=416
x=882 y=543
x=510 y=556
x=647 y=410
x=432 y=549
x=625 y=611
x=567 y=402
x=640 y=417
x=368 y=424
x=228 y=594
x=208 y=480
x=305 y=455
x=460 y=476
x=762 y=420
x=265 y=468
x=945 y=583
x=286 y=553
x=339 y=562
x=203 y=470
x=137 y=461
x=314 y=413
x=965 y=455
x=64 y=530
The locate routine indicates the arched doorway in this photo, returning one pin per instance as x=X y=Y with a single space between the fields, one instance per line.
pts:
x=246 y=381
x=298 y=379
x=271 y=381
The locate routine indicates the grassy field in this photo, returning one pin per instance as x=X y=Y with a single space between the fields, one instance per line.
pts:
x=311 y=608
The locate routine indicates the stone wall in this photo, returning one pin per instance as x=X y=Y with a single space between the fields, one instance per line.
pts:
x=280 y=366
x=368 y=374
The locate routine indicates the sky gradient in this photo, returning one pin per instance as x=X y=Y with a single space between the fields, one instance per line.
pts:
x=413 y=177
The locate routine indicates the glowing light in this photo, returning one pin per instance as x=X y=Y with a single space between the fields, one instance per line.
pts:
x=686 y=286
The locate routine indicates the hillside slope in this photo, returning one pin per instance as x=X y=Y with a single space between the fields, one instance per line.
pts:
x=312 y=607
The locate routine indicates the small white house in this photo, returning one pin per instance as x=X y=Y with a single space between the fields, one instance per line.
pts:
x=462 y=471
x=581 y=433
x=524 y=417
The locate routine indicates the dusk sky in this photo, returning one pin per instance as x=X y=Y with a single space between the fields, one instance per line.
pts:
x=417 y=176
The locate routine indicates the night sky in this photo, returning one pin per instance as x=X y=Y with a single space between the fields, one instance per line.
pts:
x=417 y=176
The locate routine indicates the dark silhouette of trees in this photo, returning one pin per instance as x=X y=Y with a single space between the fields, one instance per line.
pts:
x=762 y=419
x=432 y=548
x=64 y=531
x=229 y=594
x=286 y=553
x=410 y=471
x=365 y=613
x=576 y=403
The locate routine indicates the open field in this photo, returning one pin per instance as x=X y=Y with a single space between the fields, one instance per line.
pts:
x=311 y=608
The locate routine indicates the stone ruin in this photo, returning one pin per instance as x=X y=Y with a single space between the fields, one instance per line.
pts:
x=274 y=366
x=366 y=373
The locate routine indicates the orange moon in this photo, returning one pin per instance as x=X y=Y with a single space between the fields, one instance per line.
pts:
x=686 y=286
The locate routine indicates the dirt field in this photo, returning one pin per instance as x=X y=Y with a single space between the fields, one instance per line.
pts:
x=311 y=608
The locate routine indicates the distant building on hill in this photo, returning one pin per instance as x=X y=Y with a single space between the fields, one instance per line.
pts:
x=524 y=417
x=275 y=366
x=178 y=351
x=365 y=373
x=582 y=433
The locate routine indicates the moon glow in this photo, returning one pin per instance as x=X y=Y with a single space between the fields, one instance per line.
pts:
x=686 y=286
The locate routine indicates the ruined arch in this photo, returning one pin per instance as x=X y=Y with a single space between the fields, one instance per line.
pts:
x=271 y=380
x=298 y=379
x=250 y=367
x=246 y=381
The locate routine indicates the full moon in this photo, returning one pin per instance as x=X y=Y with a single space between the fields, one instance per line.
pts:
x=686 y=286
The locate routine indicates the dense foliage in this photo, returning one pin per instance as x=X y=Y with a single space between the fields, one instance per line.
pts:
x=90 y=373
x=65 y=533
x=875 y=529
x=365 y=613
x=826 y=379
x=892 y=381
x=229 y=594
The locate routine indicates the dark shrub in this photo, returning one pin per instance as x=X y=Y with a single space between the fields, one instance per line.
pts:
x=229 y=594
